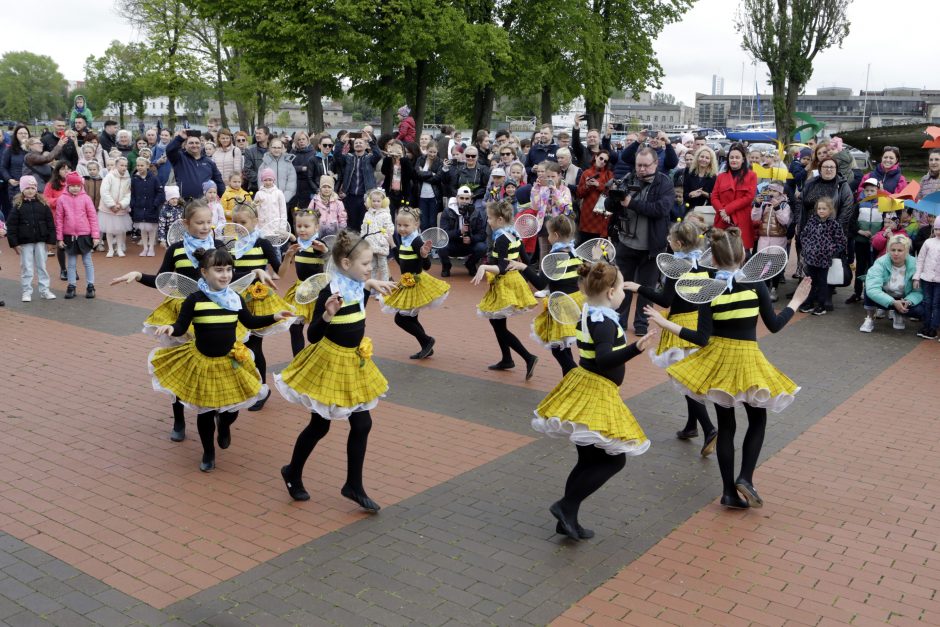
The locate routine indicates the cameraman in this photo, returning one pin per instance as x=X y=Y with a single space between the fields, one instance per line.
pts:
x=640 y=204
x=465 y=223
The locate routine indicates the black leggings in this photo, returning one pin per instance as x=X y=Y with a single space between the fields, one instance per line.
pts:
x=750 y=450
x=698 y=414
x=360 y=423
x=564 y=358
x=206 y=425
x=594 y=468
x=507 y=340
x=60 y=257
x=179 y=419
x=254 y=344
x=297 y=341
x=411 y=326
x=863 y=259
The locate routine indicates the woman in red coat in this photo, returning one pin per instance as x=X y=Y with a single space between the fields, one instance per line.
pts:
x=733 y=195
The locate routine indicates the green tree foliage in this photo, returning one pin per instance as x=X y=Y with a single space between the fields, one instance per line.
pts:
x=787 y=35
x=31 y=87
x=120 y=77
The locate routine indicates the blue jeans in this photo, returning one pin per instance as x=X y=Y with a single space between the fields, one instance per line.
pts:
x=931 y=305
x=71 y=260
x=428 y=207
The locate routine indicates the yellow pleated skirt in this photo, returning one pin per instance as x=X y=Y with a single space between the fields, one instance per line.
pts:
x=415 y=292
x=550 y=333
x=304 y=312
x=332 y=380
x=671 y=347
x=204 y=383
x=508 y=295
x=731 y=373
x=587 y=409
x=261 y=300
x=166 y=313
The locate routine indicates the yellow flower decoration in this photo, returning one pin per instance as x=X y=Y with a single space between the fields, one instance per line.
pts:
x=407 y=280
x=364 y=351
x=240 y=355
x=258 y=291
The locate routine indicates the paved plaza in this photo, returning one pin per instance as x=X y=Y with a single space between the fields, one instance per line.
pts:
x=104 y=521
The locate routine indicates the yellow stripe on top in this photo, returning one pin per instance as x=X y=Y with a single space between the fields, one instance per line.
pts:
x=737 y=305
x=512 y=253
x=407 y=252
x=210 y=313
x=180 y=260
x=253 y=258
x=349 y=314
x=585 y=343
x=572 y=264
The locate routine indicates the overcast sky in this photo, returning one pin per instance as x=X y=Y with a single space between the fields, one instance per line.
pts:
x=704 y=43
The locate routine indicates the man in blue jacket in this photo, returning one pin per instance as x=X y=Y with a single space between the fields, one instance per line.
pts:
x=192 y=167
x=357 y=178
x=543 y=149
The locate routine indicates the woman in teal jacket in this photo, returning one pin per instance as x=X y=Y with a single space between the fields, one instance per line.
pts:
x=889 y=285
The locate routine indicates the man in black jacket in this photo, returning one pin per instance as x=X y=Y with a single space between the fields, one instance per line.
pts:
x=465 y=224
x=472 y=174
x=639 y=228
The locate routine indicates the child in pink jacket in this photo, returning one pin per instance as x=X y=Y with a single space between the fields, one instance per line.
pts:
x=329 y=207
x=76 y=231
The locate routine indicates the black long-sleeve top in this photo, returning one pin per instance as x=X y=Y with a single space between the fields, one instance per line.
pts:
x=308 y=262
x=256 y=258
x=604 y=350
x=668 y=297
x=734 y=314
x=409 y=257
x=214 y=327
x=175 y=260
x=692 y=182
x=568 y=283
x=347 y=327
x=505 y=250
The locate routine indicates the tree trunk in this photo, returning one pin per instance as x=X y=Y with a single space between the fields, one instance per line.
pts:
x=482 y=109
x=244 y=124
x=783 y=117
x=595 y=115
x=421 y=94
x=314 y=97
x=121 y=113
x=220 y=87
x=387 y=82
x=171 y=112
x=546 y=105
x=261 y=100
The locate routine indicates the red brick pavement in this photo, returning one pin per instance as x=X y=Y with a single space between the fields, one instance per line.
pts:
x=847 y=536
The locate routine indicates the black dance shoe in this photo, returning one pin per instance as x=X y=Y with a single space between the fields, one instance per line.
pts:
x=530 y=366
x=178 y=435
x=584 y=534
x=294 y=488
x=502 y=365
x=426 y=351
x=568 y=527
x=748 y=492
x=361 y=499
x=260 y=404
x=687 y=434
x=733 y=501
x=207 y=465
x=711 y=439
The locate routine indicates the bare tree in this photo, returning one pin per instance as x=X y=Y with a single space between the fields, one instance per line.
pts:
x=787 y=35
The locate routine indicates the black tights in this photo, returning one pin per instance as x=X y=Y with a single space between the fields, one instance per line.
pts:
x=360 y=423
x=750 y=450
x=698 y=414
x=297 y=342
x=206 y=424
x=179 y=419
x=564 y=358
x=60 y=257
x=411 y=326
x=254 y=344
x=507 y=340
x=594 y=468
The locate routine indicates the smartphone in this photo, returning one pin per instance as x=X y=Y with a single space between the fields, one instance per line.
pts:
x=354 y=135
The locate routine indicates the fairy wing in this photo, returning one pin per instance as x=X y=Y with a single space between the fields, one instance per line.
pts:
x=597 y=249
x=277 y=232
x=706 y=260
x=230 y=231
x=437 y=236
x=563 y=308
x=527 y=225
x=700 y=290
x=329 y=240
x=242 y=284
x=175 y=233
x=671 y=266
x=175 y=285
x=555 y=265
x=308 y=290
x=763 y=265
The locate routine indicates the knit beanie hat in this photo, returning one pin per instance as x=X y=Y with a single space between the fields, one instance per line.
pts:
x=327 y=181
x=405 y=111
x=267 y=173
x=28 y=181
x=74 y=178
x=806 y=152
x=207 y=185
x=171 y=192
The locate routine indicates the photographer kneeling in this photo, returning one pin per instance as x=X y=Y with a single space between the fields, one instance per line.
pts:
x=640 y=203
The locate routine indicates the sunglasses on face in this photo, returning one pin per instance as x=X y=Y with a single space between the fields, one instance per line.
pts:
x=327 y=145
x=506 y=154
x=471 y=156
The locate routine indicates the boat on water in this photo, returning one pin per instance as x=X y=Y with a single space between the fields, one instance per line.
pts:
x=754 y=132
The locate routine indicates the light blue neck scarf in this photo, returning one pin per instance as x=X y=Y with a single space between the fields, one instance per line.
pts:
x=192 y=244
x=225 y=298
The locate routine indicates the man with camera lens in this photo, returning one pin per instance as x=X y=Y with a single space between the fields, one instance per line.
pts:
x=465 y=223
x=640 y=203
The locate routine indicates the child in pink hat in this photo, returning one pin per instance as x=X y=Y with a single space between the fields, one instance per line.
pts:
x=76 y=231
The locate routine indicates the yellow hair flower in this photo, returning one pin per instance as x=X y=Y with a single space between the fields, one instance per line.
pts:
x=407 y=280
x=258 y=291
x=364 y=351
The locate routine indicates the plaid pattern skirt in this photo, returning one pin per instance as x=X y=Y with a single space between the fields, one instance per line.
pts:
x=508 y=294
x=167 y=313
x=731 y=373
x=428 y=292
x=304 y=312
x=332 y=380
x=550 y=333
x=269 y=305
x=671 y=347
x=205 y=383
x=587 y=409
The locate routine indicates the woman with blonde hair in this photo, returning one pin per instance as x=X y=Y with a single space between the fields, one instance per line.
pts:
x=699 y=181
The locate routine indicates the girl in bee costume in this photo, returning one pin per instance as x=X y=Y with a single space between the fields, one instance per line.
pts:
x=416 y=289
x=251 y=253
x=308 y=258
x=551 y=334
x=685 y=239
x=212 y=374
x=334 y=377
x=730 y=370
x=508 y=294
x=586 y=406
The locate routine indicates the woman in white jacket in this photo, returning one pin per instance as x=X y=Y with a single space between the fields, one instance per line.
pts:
x=114 y=217
x=227 y=157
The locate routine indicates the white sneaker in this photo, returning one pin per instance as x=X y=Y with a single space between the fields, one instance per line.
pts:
x=120 y=253
x=880 y=313
x=868 y=326
x=899 y=323
x=110 y=253
x=26 y=298
x=47 y=295
x=541 y=293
